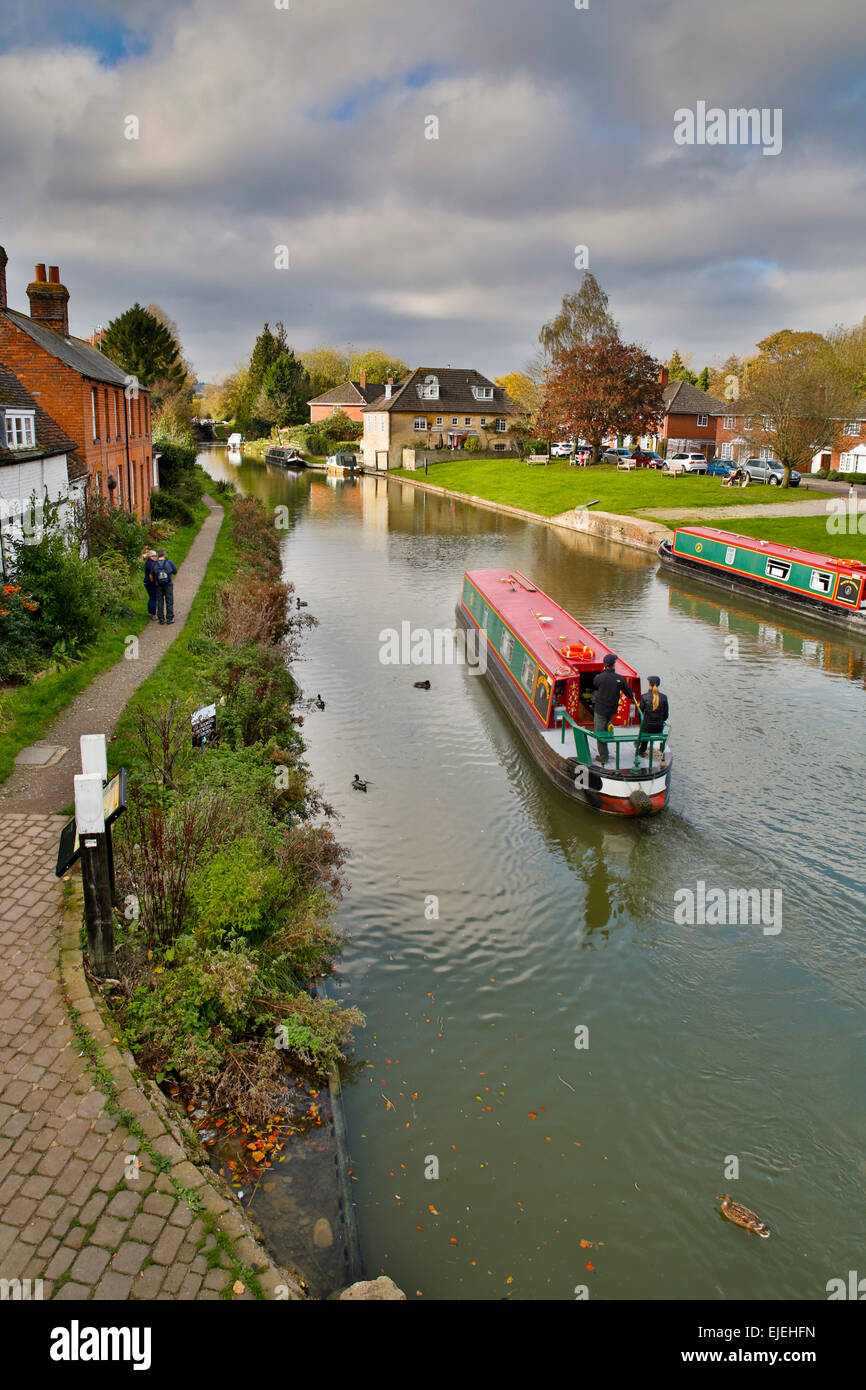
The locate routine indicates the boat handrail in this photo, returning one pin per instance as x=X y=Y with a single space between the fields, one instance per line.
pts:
x=628 y=734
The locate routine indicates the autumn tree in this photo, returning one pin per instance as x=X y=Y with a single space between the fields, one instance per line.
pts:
x=796 y=400
x=583 y=318
x=326 y=367
x=378 y=366
x=602 y=387
x=526 y=395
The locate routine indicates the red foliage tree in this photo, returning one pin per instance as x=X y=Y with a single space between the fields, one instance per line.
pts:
x=600 y=388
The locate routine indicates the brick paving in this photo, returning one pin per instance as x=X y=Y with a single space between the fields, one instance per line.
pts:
x=83 y=1206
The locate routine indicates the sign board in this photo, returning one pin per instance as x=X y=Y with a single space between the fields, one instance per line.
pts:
x=203 y=726
x=114 y=804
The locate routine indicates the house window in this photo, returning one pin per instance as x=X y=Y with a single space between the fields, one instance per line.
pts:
x=116 y=419
x=20 y=430
x=467 y=419
x=702 y=420
x=420 y=422
x=438 y=419
x=93 y=419
x=499 y=448
x=727 y=451
x=454 y=419
x=501 y=426
x=483 y=393
x=766 y=453
x=768 y=425
x=730 y=422
x=853 y=428
x=483 y=420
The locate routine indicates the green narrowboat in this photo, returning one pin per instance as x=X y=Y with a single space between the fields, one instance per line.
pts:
x=823 y=585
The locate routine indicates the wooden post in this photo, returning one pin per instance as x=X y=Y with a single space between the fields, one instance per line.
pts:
x=90 y=821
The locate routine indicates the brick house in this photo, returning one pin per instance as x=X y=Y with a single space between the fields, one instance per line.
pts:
x=37 y=463
x=691 y=417
x=88 y=396
x=436 y=408
x=351 y=398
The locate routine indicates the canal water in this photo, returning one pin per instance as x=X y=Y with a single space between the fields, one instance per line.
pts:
x=558 y=1077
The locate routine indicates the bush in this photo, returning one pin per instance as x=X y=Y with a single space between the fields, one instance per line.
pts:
x=536 y=446
x=178 y=473
x=315 y=442
x=19 y=634
x=472 y=444
x=108 y=528
x=67 y=590
x=166 y=506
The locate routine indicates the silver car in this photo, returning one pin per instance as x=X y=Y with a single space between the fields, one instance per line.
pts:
x=769 y=471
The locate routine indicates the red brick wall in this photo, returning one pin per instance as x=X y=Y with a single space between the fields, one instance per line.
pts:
x=322 y=412
x=66 y=396
x=687 y=427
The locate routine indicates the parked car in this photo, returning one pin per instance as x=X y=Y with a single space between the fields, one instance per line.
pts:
x=615 y=455
x=720 y=467
x=769 y=471
x=562 y=449
x=692 y=462
x=647 y=458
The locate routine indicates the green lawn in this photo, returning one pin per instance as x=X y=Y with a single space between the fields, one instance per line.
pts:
x=557 y=487
x=30 y=710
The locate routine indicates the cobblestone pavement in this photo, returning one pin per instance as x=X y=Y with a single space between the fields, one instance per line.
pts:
x=97 y=708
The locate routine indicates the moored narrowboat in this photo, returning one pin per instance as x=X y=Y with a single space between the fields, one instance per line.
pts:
x=542 y=663
x=285 y=456
x=829 y=588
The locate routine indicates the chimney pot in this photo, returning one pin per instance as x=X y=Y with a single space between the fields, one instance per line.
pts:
x=49 y=300
x=54 y=275
x=363 y=382
x=39 y=274
x=663 y=376
x=4 y=260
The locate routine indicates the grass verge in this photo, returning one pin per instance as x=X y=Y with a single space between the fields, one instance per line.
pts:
x=31 y=709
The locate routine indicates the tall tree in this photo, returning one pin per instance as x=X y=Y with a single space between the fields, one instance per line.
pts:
x=703 y=381
x=796 y=402
x=378 y=366
x=285 y=391
x=788 y=346
x=523 y=391
x=326 y=367
x=600 y=388
x=266 y=349
x=678 y=371
x=583 y=318
x=848 y=346
x=145 y=348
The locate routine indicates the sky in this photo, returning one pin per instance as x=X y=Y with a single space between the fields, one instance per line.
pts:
x=305 y=124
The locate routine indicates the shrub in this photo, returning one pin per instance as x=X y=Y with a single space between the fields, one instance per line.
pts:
x=472 y=444
x=165 y=505
x=315 y=441
x=536 y=446
x=108 y=528
x=19 y=634
x=67 y=590
x=178 y=473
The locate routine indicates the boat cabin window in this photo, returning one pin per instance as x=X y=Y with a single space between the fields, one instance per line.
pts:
x=506 y=645
x=821 y=581
x=485 y=615
x=778 y=569
x=527 y=675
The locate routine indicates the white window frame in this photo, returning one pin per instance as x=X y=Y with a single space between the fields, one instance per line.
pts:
x=20 y=429
x=438 y=419
x=93 y=417
x=483 y=421
x=483 y=393
x=730 y=422
x=703 y=421
x=467 y=419
x=454 y=420
x=766 y=452
x=727 y=451
x=499 y=448
x=852 y=429
x=420 y=424
x=501 y=426
x=116 y=419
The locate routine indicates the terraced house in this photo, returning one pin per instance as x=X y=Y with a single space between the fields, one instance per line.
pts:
x=106 y=414
x=436 y=408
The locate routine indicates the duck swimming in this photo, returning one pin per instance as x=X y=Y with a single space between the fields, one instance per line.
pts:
x=359 y=784
x=422 y=685
x=741 y=1216
x=320 y=704
x=301 y=604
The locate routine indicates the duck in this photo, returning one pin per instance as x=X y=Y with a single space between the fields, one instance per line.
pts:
x=422 y=685
x=741 y=1216
x=298 y=719
x=359 y=784
x=301 y=604
x=320 y=704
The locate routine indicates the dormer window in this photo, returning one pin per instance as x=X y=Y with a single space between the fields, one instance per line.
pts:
x=483 y=393
x=20 y=429
x=428 y=389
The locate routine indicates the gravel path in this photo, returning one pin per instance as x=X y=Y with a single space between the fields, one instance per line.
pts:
x=32 y=790
x=768 y=510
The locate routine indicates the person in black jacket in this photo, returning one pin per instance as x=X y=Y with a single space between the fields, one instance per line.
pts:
x=608 y=686
x=163 y=572
x=654 y=710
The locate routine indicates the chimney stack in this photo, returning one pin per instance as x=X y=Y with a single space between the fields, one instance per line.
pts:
x=363 y=381
x=663 y=376
x=4 y=260
x=49 y=300
x=389 y=388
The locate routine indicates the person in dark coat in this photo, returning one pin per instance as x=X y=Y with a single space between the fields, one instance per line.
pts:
x=149 y=581
x=164 y=571
x=608 y=686
x=654 y=710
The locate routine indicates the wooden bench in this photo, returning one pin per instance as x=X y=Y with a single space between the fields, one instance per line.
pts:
x=625 y=465
x=537 y=459
x=673 y=470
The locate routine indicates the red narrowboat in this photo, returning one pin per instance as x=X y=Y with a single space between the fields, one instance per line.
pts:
x=542 y=663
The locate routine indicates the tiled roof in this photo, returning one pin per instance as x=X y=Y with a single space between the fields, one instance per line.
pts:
x=681 y=398
x=50 y=438
x=455 y=394
x=74 y=352
x=350 y=393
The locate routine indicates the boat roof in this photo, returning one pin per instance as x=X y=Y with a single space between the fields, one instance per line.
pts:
x=788 y=552
x=520 y=603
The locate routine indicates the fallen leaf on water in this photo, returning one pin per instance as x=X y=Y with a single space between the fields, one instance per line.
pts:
x=433 y=1209
x=590 y=1266
x=532 y=1115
